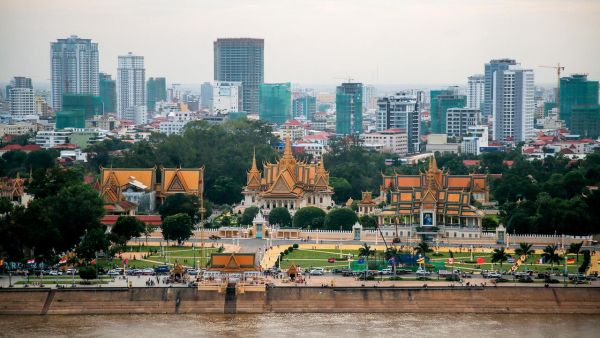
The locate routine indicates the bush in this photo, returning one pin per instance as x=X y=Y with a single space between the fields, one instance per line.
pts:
x=88 y=272
x=295 y=246
x=291 y=248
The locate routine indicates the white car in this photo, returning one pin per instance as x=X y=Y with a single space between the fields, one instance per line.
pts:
x=317 y=272
x=493 y=274
x=113 y=273
x=192 y=272
x=148 y=272
x=55 y=273
x=387 y=271
x=423 y=273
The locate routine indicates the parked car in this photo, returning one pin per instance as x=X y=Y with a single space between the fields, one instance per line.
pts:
x=317 y=272
x=403 y=271
x=493 y=274
x=55 y=273
x=148 y=272
x=192 y=272
x=525 y=279
x=550 y=280
x=387 y=271
x=113 y=273
x=162 y=270
x=423 y=273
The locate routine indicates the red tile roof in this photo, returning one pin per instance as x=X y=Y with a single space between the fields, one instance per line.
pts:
x=148 y=219
x=25 y=148
x=471 y=163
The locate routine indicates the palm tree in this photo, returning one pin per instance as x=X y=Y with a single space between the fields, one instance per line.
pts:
x=499 y=255
x=576 y=249
x=524 y=249
x=365 y=250
x=390 y=252
x=422 y=248
x=550 y=255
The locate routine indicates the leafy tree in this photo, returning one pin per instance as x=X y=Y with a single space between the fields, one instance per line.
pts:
x=180 y=203
x=550 y=255
x=88 y=272
x=225 y=221
x=94 y=240
x=489 y=223
x=367 y=221
x=248 y=215
x=177 y=227
x=576 y=249
x=225 y=190
x=343 y=218
x=312 y=217
x=499 y=256
x=422 y=248
x=125 y=228
x=342 y=189
x=47 y=183
x=41 y=160
x=280 y=216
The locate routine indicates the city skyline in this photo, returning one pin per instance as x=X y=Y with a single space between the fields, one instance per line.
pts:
x=314 y=52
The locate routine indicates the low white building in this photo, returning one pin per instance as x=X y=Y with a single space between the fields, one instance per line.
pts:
x=477 y=137
x=51 y=138
x=439 y=143
x=390 y=140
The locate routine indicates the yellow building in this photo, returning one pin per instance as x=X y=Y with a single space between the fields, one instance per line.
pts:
x=126 y=190
x=433 y=199
x=287 y=183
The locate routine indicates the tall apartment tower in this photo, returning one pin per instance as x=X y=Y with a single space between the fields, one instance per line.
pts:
x=441 y=101
x=490 y=68
x=108 y=93
x=275 y=102
x=74 y=64
x=206 y=96
x=241 y=60
x=131 y=88
x=576 y=91
x=475 y=91
x=348 y=103
x=156 y=91
x=20 y=98
x=401 y=111
x=514 y=105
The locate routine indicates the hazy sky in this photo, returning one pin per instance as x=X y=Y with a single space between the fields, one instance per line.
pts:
x=312 y=41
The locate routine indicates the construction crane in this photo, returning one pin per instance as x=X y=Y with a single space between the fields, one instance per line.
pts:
x=350 y=79
x=558 y=69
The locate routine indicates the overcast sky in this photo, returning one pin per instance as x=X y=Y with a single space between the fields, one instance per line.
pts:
x=312 y=41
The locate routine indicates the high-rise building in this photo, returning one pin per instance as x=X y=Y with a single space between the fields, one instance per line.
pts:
x=275 y=102
x=241 y=60
x=226 y=97
x=476 y=138
x=576 y=90
x=401 y=111
x=20 y=98
x=156 y=91
x=458 y=120
x=305 y=105
x=475 y=91
x=369 y=92
x=206 y=95
x=585 y=120
x=441 y=101
x=131 y=87
x=513 y=107
x=348 y=111
x=77 y=108
x=74 y=64
x=108 y=93
x=490 y=68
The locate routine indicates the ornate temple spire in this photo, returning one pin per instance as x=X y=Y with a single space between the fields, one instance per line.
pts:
x=254 y=167
x=433 y=165
x=321 y=168
x=287 y=160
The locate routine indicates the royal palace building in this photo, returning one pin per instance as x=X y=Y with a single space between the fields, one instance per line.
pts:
x=129 y=191
x=433 y=200
x=287 y=183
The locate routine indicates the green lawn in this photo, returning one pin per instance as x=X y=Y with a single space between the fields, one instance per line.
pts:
x=318 y=258
x=174 y=254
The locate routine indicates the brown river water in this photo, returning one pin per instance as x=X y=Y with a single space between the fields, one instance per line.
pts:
x=303 y=325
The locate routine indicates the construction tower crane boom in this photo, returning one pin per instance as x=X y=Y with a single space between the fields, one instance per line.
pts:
x=558 y=69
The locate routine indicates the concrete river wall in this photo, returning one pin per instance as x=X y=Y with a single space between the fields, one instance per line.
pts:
x=556 y=300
